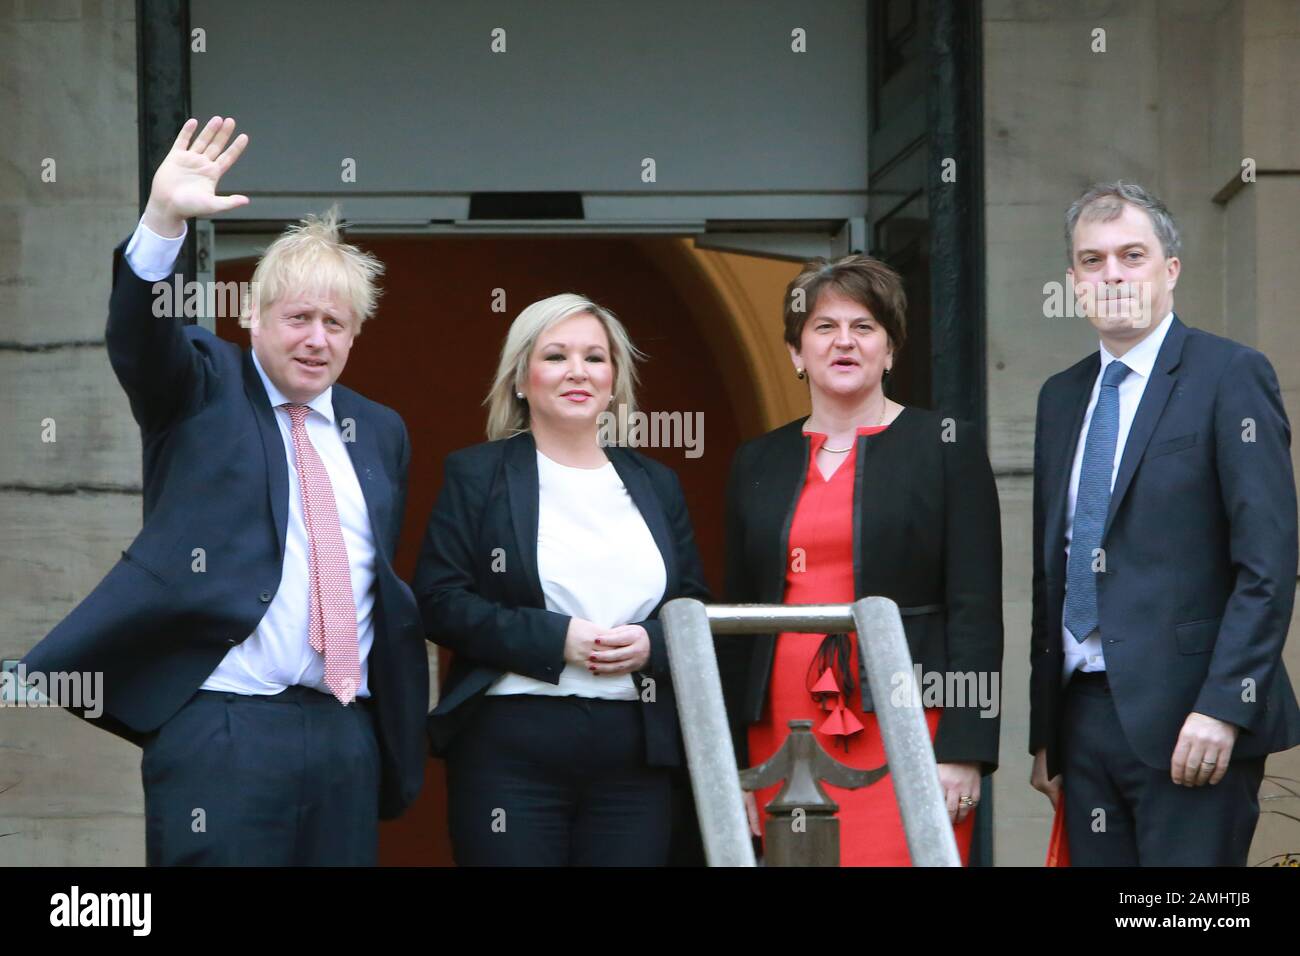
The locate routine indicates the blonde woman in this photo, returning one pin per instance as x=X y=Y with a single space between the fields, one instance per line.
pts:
x=546 y=561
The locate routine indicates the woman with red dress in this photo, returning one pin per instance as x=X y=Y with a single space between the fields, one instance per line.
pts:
x=865 y=497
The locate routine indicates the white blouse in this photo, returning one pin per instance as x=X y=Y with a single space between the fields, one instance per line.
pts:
x=597 y=560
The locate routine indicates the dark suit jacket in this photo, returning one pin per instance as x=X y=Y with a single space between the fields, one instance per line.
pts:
x=1200 y=551
x=926 y=534
x=216 y=477
x=497 y=621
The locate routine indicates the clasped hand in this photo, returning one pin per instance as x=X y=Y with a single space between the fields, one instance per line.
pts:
x=606 y=651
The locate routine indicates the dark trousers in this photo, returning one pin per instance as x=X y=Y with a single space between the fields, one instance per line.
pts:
x=1120 y=812
x=287 y=780
x=556 y=781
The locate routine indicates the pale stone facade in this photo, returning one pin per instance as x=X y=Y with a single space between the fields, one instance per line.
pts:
x=67 y=507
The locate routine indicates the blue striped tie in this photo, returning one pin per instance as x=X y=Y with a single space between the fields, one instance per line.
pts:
x=1091 y=504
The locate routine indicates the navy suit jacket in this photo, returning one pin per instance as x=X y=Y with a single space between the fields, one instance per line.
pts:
x=496 y=620
x=216 y=477
x=1200 y=551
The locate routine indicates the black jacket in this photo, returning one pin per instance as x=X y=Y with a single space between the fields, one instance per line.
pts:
x=1200 y=545
x=926 y=534
x=496 y=620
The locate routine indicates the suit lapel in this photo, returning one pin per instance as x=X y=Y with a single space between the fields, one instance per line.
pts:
x=363 y=448
x=781 y=476
x=522 y=487
x=277 y=464
x=647 y=502
x=1154 y=397
x=1060 y=460
x=868 y=540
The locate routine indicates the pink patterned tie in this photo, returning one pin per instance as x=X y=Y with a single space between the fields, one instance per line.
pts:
x=333 y=624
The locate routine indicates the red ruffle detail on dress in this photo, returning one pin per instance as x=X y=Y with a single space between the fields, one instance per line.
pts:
x=871 y=828
x=841 y=723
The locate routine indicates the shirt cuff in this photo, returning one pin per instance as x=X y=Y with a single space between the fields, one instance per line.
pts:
x=153 y=257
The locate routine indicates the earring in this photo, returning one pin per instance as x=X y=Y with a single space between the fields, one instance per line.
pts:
x=885 y=377
x=798 y=373
x=519 y=395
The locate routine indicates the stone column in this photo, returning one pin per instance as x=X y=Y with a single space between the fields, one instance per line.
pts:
x=70 y=475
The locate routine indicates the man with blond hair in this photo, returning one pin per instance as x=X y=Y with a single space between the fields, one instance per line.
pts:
x=254 y=638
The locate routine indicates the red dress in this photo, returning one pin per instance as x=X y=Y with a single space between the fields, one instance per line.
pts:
x=871 y=829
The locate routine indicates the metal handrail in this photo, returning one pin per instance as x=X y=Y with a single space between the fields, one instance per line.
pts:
x=689 y=626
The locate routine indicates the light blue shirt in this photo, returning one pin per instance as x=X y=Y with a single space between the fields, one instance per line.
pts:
x=1141 y=360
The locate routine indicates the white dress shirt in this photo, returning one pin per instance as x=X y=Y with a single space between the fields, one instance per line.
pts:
x=151 y=256
x=278 y=654
x=1141 y=360
x=597 y=560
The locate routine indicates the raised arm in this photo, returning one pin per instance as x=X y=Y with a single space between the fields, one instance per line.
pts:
x=159 y=369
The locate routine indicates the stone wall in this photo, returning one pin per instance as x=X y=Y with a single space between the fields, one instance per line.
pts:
x=71 y=793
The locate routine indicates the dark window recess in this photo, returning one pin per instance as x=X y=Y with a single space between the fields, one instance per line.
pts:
x=525 y=206
x=896 y=25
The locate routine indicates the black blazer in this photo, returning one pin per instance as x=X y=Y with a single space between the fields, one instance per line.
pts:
x=926 y=534
x=216 y=477
x=1200 y=544
x=497 y=621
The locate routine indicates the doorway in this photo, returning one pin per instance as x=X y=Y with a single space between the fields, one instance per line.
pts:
x=431 y=351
